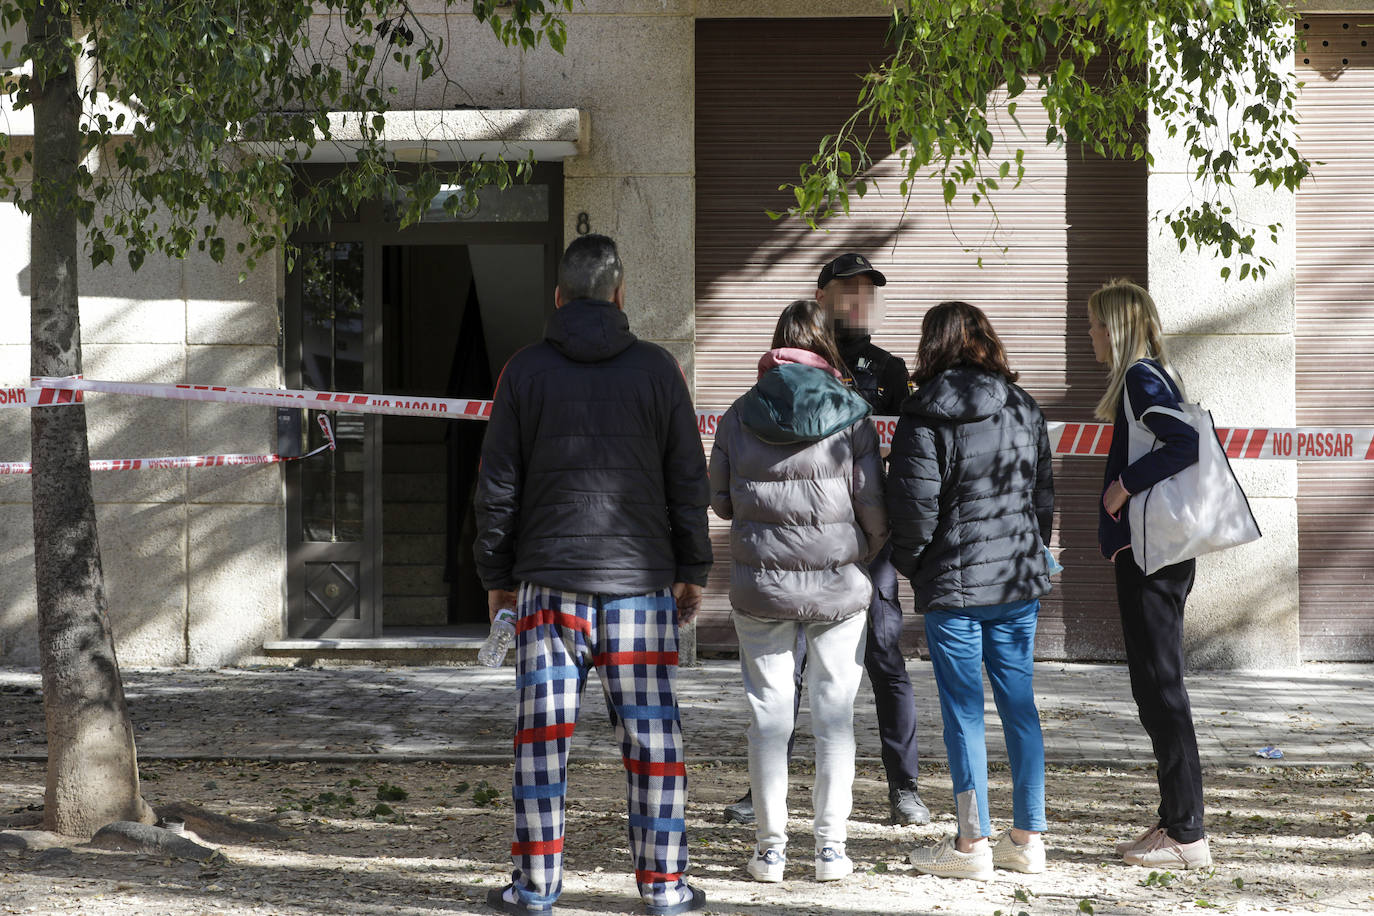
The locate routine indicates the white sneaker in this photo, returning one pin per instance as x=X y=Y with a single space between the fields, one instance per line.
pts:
x=1143 y=840
x=947 y=862
x=832 y=864
x=767 y=866
x=1029 y=859
x=1166 y=852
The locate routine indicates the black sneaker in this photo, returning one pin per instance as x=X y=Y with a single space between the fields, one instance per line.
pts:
x=695 y=900
x=507 y=901
x=742 y=811
x=906 y=805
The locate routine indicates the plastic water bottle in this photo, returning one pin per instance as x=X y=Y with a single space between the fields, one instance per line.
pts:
x=499 y=640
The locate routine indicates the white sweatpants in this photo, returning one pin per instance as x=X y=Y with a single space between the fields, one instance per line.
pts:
x=834 y=667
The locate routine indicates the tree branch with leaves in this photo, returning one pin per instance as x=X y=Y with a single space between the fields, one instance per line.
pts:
x=1213 y=75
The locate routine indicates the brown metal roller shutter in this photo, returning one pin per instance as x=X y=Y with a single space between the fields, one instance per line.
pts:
x=766 y=92
x=1335 y=336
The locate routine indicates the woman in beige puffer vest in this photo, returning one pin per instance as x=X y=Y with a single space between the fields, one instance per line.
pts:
x=796 y=468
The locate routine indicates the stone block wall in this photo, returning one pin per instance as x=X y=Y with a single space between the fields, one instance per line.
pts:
x=193 y=559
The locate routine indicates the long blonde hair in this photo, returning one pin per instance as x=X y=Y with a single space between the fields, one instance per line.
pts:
x=1133 y=324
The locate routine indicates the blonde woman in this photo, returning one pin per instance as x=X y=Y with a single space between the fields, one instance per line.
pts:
x=1126 y=335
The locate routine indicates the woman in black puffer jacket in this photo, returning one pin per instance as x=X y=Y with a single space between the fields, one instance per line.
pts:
x=970 y=498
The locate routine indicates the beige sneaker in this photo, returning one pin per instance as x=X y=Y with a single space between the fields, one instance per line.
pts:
x=1029 y=859
x=1166 y=852
x=1142 y=840
x=947 y=862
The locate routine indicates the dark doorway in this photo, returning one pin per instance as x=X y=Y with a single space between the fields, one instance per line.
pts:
x=379 y=532
x=453 y=316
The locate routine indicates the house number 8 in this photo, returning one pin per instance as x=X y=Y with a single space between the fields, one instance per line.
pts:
x=584 y=223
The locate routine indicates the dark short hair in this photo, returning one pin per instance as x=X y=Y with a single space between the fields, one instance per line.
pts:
x=958 y=334
x=803 y=325
x=590 y=269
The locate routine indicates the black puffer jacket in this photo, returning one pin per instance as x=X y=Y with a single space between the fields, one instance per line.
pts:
x=593 y=475
x=970 y=492
x=796 y=468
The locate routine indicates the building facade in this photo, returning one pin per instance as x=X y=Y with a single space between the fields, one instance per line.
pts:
x=669 y=125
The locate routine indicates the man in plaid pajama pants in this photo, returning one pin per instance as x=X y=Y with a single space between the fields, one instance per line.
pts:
x=591 y=500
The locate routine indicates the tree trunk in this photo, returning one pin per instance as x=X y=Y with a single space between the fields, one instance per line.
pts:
x=92 y=765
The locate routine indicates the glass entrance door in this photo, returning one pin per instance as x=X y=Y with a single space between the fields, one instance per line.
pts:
x=332 y=512
x=371 y=307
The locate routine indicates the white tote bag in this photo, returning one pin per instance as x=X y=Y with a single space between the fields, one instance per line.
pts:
x=1198 y=510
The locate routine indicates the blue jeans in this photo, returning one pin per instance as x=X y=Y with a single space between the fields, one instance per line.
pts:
x=1003 y=638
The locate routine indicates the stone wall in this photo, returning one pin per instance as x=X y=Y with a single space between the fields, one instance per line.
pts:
x=1234 y=344
x=194 y=560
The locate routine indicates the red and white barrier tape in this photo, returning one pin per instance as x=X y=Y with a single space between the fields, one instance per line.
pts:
x=10 y=468
x=1305 y=443
x=37 y=397
x=397 y=405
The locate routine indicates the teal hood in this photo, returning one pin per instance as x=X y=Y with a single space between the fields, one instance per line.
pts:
x=795 y=403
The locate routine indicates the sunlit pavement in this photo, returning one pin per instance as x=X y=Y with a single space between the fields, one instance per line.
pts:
x=1316 y=714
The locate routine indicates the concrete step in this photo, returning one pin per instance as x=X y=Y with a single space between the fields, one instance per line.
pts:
x=408 y=487
x=412 y=549
x=419 y=648
x=414 y=518
x=415 y=612
x=418 y=581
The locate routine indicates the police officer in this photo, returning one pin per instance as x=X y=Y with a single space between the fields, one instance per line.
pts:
x=849 y=287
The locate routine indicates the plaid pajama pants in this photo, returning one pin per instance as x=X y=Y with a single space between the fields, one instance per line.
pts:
x=560 y=636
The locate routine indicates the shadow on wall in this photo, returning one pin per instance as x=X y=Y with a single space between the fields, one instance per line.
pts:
x=210 y=537
x=1241 y=615
x=1075 y=222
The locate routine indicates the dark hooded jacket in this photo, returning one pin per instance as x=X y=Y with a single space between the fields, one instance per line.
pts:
x=796 y=468
x=593 y=476
x=878 y=376
x=970 y=492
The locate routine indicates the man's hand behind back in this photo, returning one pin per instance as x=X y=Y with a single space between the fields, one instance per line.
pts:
x=688 y=600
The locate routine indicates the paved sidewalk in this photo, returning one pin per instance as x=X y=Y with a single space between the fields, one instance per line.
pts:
x=1317 y=714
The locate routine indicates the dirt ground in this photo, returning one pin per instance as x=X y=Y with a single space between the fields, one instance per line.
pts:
x=431 y=838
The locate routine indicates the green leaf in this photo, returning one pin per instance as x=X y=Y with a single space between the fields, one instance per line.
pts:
x=388 y=792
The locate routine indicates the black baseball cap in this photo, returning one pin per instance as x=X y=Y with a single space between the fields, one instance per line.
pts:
x=850 y=264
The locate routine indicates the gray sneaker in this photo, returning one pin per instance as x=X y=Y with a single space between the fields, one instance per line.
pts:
x=906 y=805
x=742 y=811
x=946 y=861
x=1166 y=852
